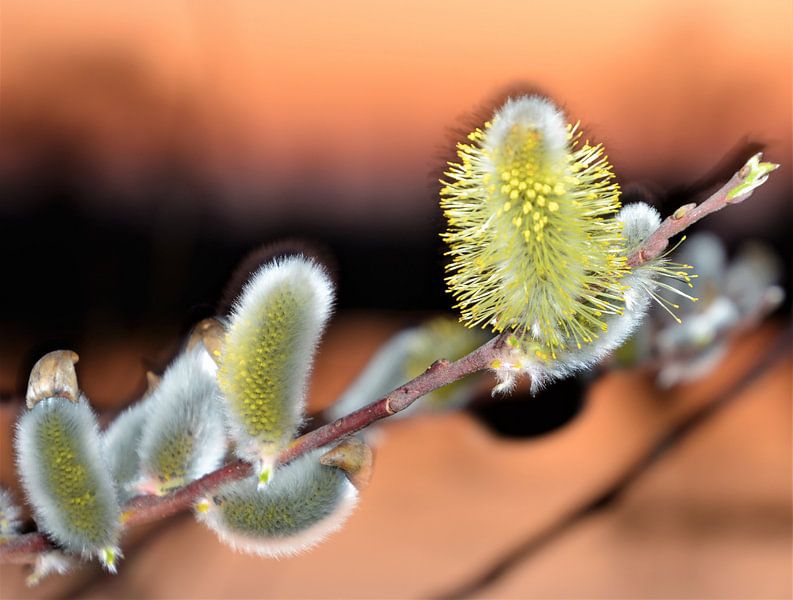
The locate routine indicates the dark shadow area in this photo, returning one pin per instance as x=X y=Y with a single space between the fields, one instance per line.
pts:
x=522 y=415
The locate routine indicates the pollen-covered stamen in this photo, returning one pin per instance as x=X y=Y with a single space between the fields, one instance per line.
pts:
x=663 y=268
x=532 y=248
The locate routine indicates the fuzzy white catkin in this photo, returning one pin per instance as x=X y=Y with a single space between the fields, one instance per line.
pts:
x=66 y=479
x=48 y=563
x=639 y=222
x=268 y=353
x=120 y=445
x=752 y=275
x=303 y=504
x=184 y=436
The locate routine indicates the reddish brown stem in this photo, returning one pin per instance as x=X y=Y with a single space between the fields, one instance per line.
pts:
x=687 y=215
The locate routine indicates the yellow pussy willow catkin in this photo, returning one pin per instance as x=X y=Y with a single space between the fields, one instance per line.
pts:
x=531 y=233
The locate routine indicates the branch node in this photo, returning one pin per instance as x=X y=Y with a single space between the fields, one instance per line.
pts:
x=683 y=211
x=438 y=364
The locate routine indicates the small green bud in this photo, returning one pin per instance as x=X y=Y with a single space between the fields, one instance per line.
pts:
x=753 y=174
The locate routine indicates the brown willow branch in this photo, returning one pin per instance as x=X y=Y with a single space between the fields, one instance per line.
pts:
x=143 y=509
x=688 y=214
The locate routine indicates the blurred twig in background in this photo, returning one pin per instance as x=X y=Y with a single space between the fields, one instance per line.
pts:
x=609 y=496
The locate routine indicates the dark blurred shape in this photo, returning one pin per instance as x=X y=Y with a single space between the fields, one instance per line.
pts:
x=273 y=252
x=522 y=415
x=733 y=159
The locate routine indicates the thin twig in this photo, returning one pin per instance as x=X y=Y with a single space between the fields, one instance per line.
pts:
x=143 y=509
x=688 y=214
x=615 y=490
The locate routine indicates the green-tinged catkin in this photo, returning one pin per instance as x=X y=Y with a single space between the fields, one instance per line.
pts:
x=66 y=479
x=304 y=503
x=267 y=356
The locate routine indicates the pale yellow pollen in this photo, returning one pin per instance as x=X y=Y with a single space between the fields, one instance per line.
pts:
x=541 y=189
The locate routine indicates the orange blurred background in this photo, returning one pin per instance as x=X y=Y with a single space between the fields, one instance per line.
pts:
x=341 y=112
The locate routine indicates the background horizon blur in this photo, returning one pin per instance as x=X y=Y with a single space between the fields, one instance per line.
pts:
x=146 y=147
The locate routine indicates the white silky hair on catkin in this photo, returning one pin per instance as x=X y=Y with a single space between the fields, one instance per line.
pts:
x=184 y=436
x=54 y=434
x=120 y=443
x=303 y=504
x=48 y=563
x=284 y=396
x=532 y=112
x=639 y=222
x=9 y=514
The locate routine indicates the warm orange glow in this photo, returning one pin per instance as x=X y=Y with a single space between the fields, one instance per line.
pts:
x=361 y=95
